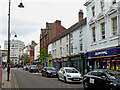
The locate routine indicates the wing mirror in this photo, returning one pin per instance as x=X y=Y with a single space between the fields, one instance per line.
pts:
x=63 y=72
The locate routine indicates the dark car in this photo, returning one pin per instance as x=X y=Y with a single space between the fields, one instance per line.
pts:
x=102 y=79
x=33 y=68
x=49 y=72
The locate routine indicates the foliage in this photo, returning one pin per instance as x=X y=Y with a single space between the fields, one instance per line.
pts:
x=25 y=58
x=43 y=55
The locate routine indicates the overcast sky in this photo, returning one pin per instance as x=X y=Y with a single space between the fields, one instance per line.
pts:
x=27 y=22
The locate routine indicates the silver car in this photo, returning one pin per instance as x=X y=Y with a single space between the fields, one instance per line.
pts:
x=69 y=74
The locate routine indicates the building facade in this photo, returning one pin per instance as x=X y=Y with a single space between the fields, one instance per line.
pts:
x=37 y=51
x=50 y=32
x=67 y=47
x=29 y=50
x=103 y=34
x=15 y=49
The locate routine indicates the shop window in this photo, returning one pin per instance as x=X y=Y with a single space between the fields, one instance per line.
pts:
x=118 y=65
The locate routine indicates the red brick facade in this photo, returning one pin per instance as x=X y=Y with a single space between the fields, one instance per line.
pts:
x=47 y=35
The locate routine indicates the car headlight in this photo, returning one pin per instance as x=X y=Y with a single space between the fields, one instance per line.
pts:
x=68 y=76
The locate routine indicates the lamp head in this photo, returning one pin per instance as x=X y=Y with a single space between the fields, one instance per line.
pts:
x=15 y=36
x=21 y=5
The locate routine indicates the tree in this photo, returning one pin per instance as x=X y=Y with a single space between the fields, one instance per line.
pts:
x=25 y=58
x=43 y=55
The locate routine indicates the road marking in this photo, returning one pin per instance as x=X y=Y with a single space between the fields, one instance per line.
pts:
x=15 y=81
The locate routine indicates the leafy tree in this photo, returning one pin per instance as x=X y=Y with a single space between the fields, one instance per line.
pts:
x=43 y=55
x=25 y=58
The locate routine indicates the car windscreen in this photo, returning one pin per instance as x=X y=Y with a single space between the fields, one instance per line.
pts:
x=34 y=66
x=71 y=71
x=114 y=74
x=51 y=69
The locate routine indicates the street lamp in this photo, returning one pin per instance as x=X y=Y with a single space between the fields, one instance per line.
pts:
x=8 y=61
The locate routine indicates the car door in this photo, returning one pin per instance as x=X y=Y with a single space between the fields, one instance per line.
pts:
x=102 y=80
x=93 y=79
x=60 y=73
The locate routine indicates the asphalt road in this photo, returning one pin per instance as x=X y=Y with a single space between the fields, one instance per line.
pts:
x=25 y=79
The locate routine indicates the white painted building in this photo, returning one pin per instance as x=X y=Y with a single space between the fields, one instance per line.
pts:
x=15 y=49
x=102 y=24
x=78 y=39
x=103 y=33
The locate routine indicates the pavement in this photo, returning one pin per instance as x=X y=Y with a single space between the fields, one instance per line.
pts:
x=5 y=83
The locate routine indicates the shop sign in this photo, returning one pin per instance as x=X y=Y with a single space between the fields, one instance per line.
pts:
x=106 y=52
x=73 y=58
x=65 y=59
x=59 y=59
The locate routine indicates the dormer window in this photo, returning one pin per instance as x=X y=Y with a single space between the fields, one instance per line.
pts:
x=93 y=11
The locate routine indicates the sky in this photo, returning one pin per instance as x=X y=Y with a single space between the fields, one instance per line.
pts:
x=27 y=22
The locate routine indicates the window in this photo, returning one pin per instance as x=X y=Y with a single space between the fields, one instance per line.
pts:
x=81 y=45
x=55 y=51
x=61 y=50
x=114 y=26
x=67 y=38
x=71 y=47
x=55 y=44
x=71 y=36
x=114 y=1
x=102 y=3
x=67 y=48
x=93 y=34
x=102 y=25
x=60 y=41
x=93 y=11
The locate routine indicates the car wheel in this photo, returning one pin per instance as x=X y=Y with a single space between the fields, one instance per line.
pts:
x=46 y=75
x=65 y=80
x=86 y=86
x=112 y=88
x=58 y=78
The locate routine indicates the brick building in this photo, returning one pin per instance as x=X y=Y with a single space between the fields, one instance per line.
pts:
x=49 y=33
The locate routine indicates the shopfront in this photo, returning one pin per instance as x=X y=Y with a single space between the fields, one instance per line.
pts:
x=65 y=61
x=104 y=59
x=76 y=62
x=59 y=63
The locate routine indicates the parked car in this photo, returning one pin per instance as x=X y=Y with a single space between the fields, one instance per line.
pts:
x=27 y=67
x=49 y=72
x=103 y=79
x=33 y=68
x=24 y=67
x=69 y=74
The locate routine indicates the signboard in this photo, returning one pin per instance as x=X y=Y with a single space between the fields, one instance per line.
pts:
x=65 y=59
x=107 y=52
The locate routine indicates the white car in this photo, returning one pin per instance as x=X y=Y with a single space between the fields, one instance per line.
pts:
x=69 y=74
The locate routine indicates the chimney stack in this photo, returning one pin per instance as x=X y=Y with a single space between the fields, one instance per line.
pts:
x=80 y=15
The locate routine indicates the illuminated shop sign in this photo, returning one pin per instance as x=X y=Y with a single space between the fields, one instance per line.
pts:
x=107 y=52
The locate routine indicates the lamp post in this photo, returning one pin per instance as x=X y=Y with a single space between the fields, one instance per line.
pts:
x=8 y=61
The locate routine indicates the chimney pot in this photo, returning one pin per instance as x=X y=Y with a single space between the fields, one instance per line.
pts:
x=80 y=15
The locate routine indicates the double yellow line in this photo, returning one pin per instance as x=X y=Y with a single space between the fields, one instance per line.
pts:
x=15 y=81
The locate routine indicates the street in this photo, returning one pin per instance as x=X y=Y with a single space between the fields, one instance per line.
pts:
x=25 y=79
